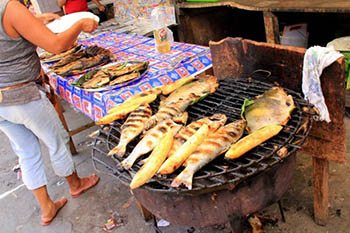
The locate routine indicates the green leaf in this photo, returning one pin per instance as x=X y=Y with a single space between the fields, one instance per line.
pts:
x=246 y=103
x=200 y=98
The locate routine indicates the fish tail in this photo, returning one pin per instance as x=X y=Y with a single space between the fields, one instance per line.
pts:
x=130 y=160
x=127 y=163
x=119 y=150
x=185 y=177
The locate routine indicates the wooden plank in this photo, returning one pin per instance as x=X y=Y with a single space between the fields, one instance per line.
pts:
x=58 y=107
x=321 y=190
x=81 y=128
x=242 y=57
x=271 y=28
x=325 y=6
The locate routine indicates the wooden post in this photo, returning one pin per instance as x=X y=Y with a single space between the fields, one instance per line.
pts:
x=271 y=28
x=58 y=107
x=321 y=190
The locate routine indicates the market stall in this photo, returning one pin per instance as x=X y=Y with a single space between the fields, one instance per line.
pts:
x=183 y=60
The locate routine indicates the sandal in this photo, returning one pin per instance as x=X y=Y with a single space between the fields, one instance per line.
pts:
x=61 y=203
x=92 y=181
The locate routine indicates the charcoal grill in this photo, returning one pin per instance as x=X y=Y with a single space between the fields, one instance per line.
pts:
x=223 y=187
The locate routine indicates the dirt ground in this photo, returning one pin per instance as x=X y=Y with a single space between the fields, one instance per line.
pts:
x=20 y=213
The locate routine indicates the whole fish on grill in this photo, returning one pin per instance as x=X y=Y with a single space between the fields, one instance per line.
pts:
x=184 y=151
x=214 y=122
x=151 y=139
x=131 y=128
x=171 y=111
x=193 y=91
x=274 y=106
x=213 y=146
x=181 y=98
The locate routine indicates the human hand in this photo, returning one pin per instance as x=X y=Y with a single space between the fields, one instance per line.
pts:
x=101 y=8
x=88 y=25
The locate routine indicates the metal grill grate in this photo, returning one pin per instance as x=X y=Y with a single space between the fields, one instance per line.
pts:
x=220 y=173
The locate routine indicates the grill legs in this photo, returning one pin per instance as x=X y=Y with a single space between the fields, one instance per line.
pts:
x=236 y=223
x=281 y=211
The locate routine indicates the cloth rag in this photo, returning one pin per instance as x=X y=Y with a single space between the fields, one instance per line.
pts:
x=316 y=59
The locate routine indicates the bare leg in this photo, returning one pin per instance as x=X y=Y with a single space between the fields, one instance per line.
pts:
x=79 y=185
x=49 y=208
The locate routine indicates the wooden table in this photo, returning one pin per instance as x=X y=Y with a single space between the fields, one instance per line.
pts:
x=328 y=143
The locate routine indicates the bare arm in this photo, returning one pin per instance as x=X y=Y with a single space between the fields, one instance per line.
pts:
x=99 y=5
x=18 y=21
x=61 y=3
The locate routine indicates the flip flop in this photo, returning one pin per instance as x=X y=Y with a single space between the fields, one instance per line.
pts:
x=92 y=181
x=46 y=221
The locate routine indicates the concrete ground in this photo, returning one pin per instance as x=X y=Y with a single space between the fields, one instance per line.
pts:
x=88 y=213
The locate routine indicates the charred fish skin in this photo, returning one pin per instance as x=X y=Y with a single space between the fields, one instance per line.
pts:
x=125 y=78
x=216 y=144
x=150 y=140
x=97 y=80
x=214 y=122
x=132 y=127
x=164 y=113
x=81 y=64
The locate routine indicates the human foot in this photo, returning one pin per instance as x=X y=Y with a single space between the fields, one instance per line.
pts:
x=85 y=184
x=46 y=220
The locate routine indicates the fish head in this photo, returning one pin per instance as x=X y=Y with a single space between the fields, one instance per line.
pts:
x=216 y=121
x=211 y=81
x=235 y=128
x=182 y=118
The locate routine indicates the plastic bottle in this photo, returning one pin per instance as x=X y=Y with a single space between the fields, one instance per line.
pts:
x=162 y=34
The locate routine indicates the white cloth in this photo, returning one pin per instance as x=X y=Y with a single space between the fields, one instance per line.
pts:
x=315 y=60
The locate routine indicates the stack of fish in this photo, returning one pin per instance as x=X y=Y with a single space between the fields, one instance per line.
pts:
x=78 y=59
x=111 y=74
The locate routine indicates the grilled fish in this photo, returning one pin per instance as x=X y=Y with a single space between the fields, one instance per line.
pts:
x=184 y=151
x=170 y=111
x=81 y=64
x=213 y=146
x=150 y=140
x=124 y=78
x=192 y=92
x=274 y=106
x=68 y=59
x=131 y=128
x=214 y=122
x=115 y=72
x=99 y=79
x=155 y=160
x=51 y=56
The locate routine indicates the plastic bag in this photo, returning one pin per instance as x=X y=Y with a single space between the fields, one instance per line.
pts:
x=162 y=34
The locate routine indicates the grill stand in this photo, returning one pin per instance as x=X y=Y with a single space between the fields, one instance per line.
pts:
x=236 y=222
x=236 y=57
x=204 y=210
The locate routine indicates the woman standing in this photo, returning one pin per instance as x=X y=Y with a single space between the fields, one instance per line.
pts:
x=26 y=115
